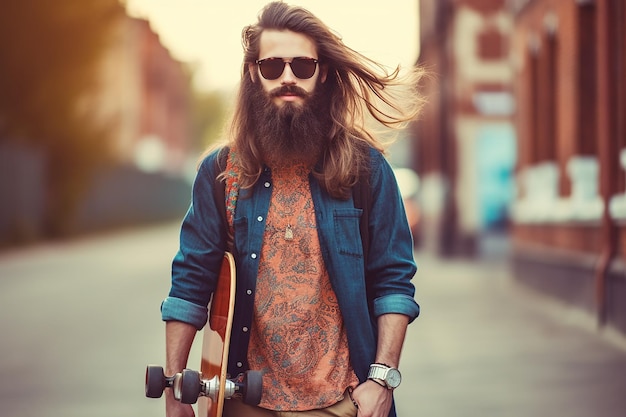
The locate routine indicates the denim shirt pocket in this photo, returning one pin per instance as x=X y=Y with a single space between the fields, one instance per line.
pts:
x=347 y=232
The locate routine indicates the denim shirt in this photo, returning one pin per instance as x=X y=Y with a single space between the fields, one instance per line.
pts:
x=390 y=264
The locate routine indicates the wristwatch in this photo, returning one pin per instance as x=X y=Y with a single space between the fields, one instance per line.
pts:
x=391 y=377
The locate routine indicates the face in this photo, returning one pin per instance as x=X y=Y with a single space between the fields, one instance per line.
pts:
x=286 y=44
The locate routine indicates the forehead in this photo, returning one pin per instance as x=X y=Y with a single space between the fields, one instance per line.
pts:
x=285 y=44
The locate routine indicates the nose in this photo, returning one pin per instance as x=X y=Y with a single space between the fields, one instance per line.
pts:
x=287 y=76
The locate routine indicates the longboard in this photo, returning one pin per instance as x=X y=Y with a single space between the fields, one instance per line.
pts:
x=212 y=381
x=216 y=338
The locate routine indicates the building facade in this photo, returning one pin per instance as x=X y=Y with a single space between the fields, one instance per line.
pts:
x=569 y=59
x=553 y=71
x=145 y=99
x=464 y=141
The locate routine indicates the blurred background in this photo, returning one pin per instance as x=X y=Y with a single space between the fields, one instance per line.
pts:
x=514 y=180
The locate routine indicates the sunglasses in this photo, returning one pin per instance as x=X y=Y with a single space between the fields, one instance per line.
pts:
x=302 y=67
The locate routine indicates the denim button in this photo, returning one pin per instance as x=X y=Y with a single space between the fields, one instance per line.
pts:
x=249 y=292
x=267 y=184
x=239 y=364
x=245 y=329
x=260 y=218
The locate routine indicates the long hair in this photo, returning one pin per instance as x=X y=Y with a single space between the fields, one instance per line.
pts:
x=358 y=86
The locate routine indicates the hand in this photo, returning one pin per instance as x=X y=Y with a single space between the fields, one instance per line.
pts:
x=174 y=408
x=373 y=400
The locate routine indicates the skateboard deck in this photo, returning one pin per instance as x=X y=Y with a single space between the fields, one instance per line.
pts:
x=216 y=337
x=190 y=386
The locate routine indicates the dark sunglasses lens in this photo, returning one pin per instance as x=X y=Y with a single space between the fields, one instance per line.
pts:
x=303 y=68
x=272 y=68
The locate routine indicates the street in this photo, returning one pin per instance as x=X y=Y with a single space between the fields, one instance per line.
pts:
x=484 y=346
x=80 y=321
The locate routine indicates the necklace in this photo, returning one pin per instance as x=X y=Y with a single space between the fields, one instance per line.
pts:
x=288 y=232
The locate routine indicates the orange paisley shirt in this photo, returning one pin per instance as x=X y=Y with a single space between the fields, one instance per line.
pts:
x=298 y=337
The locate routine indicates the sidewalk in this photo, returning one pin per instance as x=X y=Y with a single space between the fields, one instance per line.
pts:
x=486 y=346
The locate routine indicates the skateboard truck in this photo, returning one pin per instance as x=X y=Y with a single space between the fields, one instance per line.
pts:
x=188 y=385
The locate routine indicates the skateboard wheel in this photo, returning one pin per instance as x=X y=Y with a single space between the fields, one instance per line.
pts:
x=155 y=381
x=189 y=386
x=252 y=387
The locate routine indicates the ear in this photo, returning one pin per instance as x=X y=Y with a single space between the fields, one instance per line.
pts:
x=323 y=72
x=252 y=72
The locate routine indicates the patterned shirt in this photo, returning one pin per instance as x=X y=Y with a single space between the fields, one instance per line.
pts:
x=298 y=337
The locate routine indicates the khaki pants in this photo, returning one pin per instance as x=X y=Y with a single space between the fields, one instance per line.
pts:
x=237 y=408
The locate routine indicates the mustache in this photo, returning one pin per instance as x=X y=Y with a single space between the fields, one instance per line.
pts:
x=289 y=89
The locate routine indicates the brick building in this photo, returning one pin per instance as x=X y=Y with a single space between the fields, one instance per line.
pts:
x=564 y=64
x=145 y=96
x=569 y=59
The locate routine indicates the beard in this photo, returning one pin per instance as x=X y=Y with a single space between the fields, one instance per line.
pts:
x=291 y=133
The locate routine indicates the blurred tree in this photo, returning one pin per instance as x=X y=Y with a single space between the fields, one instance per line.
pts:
x=50 y=55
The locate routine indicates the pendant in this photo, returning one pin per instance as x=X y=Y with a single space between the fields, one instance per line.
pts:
x=288 y=233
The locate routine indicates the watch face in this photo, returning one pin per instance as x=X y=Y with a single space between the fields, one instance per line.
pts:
x=393 y=378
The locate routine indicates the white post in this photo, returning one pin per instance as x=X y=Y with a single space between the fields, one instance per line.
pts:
x=617 y=205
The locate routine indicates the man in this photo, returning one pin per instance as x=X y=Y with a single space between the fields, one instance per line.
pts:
x=324 y=321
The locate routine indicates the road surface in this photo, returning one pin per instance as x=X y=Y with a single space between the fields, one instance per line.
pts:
x=80 y=321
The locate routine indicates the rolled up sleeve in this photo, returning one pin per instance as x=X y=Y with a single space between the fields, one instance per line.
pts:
x=196 y=266
x=397 y=304
x=392 y=268
x=173 y=308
